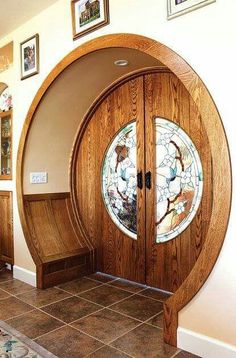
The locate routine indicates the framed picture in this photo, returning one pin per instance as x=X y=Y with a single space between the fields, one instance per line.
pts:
x=88 y=15
x=180 y=7
x=29 y=52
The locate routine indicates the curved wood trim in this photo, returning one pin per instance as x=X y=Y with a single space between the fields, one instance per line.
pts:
x=221 y=186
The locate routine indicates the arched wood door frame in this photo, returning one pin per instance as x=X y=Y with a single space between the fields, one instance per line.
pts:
x=221 y=185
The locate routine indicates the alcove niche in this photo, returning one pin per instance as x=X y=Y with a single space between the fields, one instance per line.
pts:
x=56 y=240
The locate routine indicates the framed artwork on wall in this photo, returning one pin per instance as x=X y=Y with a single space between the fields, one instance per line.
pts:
x=181 y=7
x=88 y=15
x=29 y=52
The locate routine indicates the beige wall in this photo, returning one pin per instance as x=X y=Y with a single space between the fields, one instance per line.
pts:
x=206 y=40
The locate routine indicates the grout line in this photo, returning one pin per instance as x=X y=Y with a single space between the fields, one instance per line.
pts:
x=86 y=334
x=89 y=354
x=130 y=330
x=21 y=314
x=87 y=315
x=58 y=319
x=101 y=304
x=53 y=330
x=9 y=296
x=176 y=353
x=79 y=293
x=11 y=279
x=51 y=303
x=125 y=315
x=134 y=319
x=94 y=279
x=155 y=299
x=157 y=314
x=106 y=345
x=123 y=299
x=95 y=303
x=150 y=324
x=123 y=289
x=123 y=334
x=21 y=293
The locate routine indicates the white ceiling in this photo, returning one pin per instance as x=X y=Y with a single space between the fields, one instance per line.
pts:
x=15 y=12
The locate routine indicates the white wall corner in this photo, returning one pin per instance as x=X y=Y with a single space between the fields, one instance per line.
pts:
x=24 y=275
x=204 y=346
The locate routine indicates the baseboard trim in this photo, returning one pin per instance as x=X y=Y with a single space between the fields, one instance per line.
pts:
x=24 y=275
x=204 y=346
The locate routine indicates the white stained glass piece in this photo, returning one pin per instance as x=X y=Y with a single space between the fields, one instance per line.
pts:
x=5 y=100
x=179 y=180
x=119 y=180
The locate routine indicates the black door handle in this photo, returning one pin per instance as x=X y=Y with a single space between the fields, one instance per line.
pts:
x=140 y=180
x=148 y=180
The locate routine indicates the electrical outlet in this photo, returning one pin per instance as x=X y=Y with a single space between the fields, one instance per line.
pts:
x=38 y=178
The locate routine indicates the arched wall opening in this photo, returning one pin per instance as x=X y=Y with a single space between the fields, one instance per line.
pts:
x=46 y=145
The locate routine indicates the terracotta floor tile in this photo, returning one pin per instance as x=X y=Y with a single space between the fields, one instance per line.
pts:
x=71 y=309
x=5 y=275
x=80 y=285
x=11 y=306
x=108 y=352
x=39 y=298
x=127 y=285
x=3 y=294
x=184 y=354
x=16 y=287
x=34 y=324
x=157 y=320
x=102 y=277
x=138 y=307
x=144 y=341
x=105 y=325
x=156 y=294
x=67 y=342
x=105 y=295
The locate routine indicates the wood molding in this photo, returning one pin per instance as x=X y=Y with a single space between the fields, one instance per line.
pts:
x=6 y=227
x=221 y=186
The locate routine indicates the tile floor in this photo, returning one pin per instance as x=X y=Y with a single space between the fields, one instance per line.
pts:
x=98 y=316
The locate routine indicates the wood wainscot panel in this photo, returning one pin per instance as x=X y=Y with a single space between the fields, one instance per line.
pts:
x=64 y=253
x=6 y=227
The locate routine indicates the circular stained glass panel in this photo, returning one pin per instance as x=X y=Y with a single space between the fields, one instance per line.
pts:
x=179 y=180
x=119 y=180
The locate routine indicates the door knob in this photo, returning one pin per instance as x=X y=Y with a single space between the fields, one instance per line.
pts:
x=148 y=180
x=140 y=180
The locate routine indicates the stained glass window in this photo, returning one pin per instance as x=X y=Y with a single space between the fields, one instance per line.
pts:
x=179 y=180
x=119 y=180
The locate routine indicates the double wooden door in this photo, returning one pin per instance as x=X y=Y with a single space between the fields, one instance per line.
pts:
x=143 y=181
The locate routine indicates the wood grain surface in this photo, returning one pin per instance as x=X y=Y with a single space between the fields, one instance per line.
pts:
x=168 y=264
x=117 y=254
x=6 y=227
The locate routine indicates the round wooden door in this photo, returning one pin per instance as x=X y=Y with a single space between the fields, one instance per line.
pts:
x=143 y=180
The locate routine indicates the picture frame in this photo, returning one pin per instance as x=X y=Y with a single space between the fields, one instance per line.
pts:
x=29 y=54
x=180 y=7
x=88 y=16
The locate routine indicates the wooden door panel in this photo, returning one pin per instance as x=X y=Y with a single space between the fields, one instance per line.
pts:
x=118 y=254
x=6 y=227
x=169 y=263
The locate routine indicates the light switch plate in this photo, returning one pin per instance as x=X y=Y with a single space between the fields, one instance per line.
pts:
x=38 y=178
